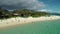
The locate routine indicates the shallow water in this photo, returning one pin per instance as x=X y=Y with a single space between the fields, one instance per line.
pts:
x=45 y=27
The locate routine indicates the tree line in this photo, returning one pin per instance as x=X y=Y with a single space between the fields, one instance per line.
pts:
x=4 y=13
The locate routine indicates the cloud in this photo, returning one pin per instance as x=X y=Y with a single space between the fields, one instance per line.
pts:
x=21 y=4
x=45 y=10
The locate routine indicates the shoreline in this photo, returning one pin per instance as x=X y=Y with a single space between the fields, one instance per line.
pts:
x=20 y=21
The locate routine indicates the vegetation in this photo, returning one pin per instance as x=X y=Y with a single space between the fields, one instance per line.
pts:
x=21 y=13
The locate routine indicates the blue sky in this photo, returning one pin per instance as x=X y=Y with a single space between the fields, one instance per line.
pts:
x=52 y=5
x=40 y=5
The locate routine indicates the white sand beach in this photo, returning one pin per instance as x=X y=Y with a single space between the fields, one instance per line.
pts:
x=20 y=20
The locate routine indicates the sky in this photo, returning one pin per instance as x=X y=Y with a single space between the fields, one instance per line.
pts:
x=39 y=5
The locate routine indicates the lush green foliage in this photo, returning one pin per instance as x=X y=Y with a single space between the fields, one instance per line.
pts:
x=22 y=13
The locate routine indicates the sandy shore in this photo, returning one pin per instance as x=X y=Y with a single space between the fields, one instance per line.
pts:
x=20 y=20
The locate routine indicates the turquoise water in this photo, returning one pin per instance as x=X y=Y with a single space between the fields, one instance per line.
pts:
x=45 y=27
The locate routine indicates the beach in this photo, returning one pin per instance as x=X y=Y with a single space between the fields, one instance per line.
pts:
x=20 y=20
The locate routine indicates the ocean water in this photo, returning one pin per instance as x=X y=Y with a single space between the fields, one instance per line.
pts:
x=44 y=27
